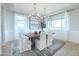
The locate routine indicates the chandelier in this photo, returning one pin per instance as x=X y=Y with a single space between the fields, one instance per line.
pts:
x=37 y=15
x=34 y=14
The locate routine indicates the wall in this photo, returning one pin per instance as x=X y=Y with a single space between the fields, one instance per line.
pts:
x=61 y=35
x=74 y=26
x=0 y=29
x=9 y=26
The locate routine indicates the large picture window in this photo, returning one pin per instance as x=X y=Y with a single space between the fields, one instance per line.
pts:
x=34 y=24
x=19 y=22
x=58 y=24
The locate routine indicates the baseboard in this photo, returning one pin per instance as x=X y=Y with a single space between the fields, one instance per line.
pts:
x=74 y=42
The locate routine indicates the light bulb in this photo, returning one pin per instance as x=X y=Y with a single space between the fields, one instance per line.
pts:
x=44 y=16
x=32 y=13
x=48 y=17
x=38 y=15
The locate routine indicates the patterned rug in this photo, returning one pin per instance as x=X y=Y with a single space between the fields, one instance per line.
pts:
x=49 y=51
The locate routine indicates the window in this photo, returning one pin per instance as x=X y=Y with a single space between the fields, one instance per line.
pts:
x=19 y=22
x=58 y=23
x=34 y=24
x=49 y=24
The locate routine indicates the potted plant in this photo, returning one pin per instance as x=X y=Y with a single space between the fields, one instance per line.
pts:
x=43 y=24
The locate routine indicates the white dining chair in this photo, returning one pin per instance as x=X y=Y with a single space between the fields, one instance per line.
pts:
x=41 y=43
x=49 y=39
x=24 y=43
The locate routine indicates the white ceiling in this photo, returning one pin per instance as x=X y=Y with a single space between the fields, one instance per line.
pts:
x=50 y=7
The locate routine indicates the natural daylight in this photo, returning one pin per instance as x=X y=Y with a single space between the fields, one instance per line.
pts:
x=39 y=29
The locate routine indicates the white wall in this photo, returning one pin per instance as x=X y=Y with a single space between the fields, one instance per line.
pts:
x=74 y=26
x=61 y=35
x=9 y=26
x=0 y=29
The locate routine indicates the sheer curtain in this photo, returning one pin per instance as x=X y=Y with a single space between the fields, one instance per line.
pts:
x=67 y=19
x=58 y=22
x=21 y=24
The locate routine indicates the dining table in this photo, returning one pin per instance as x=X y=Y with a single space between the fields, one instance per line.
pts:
x=32 y=37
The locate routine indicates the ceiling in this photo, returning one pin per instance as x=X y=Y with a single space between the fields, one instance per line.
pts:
x=29 y=7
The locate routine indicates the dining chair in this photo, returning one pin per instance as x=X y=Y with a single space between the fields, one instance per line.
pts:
x=24 y=43
x=49 y=39
x=41 y=43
